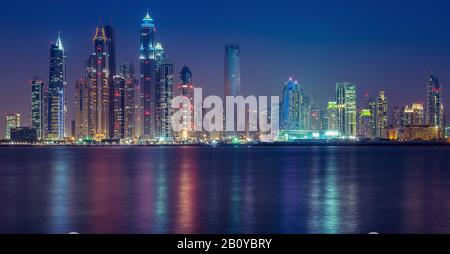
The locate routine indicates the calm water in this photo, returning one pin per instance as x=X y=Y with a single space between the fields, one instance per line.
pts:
x=225 y=190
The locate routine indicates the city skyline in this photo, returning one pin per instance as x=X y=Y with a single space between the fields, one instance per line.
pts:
x=22 y=106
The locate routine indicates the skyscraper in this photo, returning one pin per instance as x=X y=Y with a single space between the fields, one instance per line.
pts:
x=12 y=121
x=57 y=108
x=397 y=118
x=118 y=103
x=381 y=116
x=435 y=107
x=81 y=109
x=186 y=88
x=332 y=115
x=290 y=109
x=365 y=124
x=232 y=77
x=413 y=115
x=315 y=118
x=164 y=98
x=132 y=97
x=38 y=106
x=148 y=73
x=346 y=113
x=99 y=74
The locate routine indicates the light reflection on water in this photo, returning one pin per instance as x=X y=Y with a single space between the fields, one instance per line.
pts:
x=225 y=190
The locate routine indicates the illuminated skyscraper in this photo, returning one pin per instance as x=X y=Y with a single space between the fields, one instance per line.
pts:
x=132 y=110
x=12 y=121
x=164 y=98
x=332 y=116
x=232 y=78
x=435 y=107
x=99 y=73
x=413 y=115
x=118 y=107
x=315 y=118
x=346 y=109
x=365 y=129
x=397 y=118
x=81 y=109
x=148 y=73
x=305 y=111
x=381 y=116
x=291 y=103
x=57 y=108
x=186 y=88
x=38 y=107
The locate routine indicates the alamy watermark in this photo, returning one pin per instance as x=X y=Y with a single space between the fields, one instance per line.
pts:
x=241 y=114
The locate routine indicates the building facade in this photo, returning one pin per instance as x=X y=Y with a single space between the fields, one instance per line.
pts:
x=132 y=106
x=12 y=120
x=290 y=106
x=118 y=107
x=381 y=116
x=38 y=107
x=164 y=102
x=346 y=109
x=435 y=107
x=81 y=109
x=232 y=78
x=332 y=109
x=57 y=107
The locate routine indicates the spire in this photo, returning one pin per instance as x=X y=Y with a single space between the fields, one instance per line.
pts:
x=59 y=42
x=147 y=21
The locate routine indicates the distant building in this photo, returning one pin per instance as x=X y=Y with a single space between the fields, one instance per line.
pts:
x=365 y=124
x=397 y=113
x=186 y=88
x=163 y=107
x=305 y=111
x=346 y=113
x=332 y=115
x=57 y=106
x=23 y=135
x=12 y=121
x=38 y=107
x=290 y=108
x=232 y=78
x=435 y=107
x=81 y=109
x=118 y=107
x=420 y=133
x=413 y=115
x=132 y=118
x=315 y=118
x=381 y=116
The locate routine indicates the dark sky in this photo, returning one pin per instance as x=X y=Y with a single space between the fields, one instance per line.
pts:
x=391 y=45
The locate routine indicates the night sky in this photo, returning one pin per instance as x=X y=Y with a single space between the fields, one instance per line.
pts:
x=391 y=45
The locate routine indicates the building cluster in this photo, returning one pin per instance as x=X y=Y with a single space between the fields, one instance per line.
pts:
x=120 y=105
x=342 y=119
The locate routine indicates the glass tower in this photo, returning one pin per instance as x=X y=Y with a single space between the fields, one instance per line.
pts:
x=435 y=108
x=38 y=107
x=57 y=108
x=346 y=109
x=291 y=103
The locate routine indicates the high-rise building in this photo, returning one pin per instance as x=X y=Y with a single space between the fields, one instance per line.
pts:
x=332 y=109
x=99 y=72
x=186 y=88
x=381 y=116
x=413 y=115
x=12 y=121
x=435 y=107
x=118 y=107
x=397 y=118
x=315 y=118
x=290 y=108
x=164 y=98
x=365 y=129
x=132 y=106
x=148 y=78
x=38 y=106
x=57 y=108
x=346 y=109
x=232 y=77
x=81 y=109
x=305 y=111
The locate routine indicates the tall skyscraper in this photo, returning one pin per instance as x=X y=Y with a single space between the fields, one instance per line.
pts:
x=435 y=107
x=12 y=121
x=290 y=108
x=305 y=111
x=397 y=117
x=164 y=98
x=81 y=109
x=315 y=118
x=186 y=88
x=332 y=109
x=100 y=75
x=118 y=107
x=346 y=113
x=232 y=78
x=38 y=106
x=365 y=124
x=57 y=108
x=381 y=116
x=148 y=73
x=132 y=110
